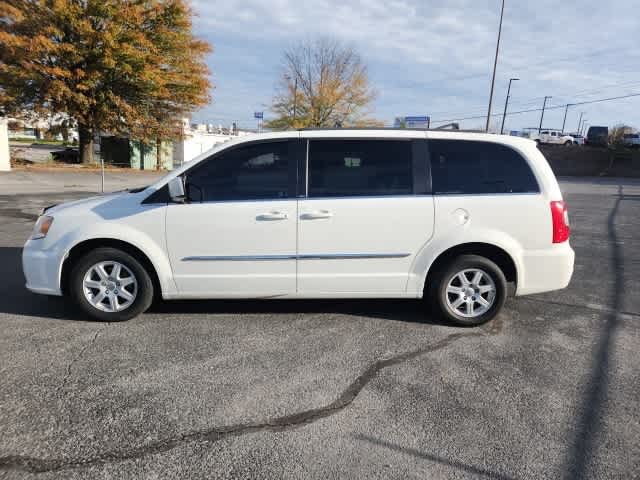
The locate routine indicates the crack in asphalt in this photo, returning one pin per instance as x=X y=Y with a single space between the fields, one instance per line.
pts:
x=75 y=360
x=42 y=465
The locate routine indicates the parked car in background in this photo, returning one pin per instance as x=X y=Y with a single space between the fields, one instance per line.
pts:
x=552 y=137
x=597 y=137
x=631 y=140
x=68 y=155
x=577 y=139
x=318 y=214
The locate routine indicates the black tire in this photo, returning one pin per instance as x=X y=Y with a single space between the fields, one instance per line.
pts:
x=144 y=290
x=437 y=290
x=568 y=143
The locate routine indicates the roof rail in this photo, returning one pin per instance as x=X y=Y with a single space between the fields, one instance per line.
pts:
x=395 y=129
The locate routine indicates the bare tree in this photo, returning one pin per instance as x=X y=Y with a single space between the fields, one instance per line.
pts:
x=617 y=132
x=323 y=83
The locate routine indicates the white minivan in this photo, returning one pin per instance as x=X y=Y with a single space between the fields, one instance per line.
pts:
x=453 y=217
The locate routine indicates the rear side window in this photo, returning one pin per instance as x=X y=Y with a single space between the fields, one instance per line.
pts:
x=250 y=172
x=598 y=131
x=468 y=167
x=340 y=168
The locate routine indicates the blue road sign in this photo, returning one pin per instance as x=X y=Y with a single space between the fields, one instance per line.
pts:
x=259 y=115
x=415 y=121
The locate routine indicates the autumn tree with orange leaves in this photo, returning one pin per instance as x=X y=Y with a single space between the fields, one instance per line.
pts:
x=130 y=67
x=323 y=83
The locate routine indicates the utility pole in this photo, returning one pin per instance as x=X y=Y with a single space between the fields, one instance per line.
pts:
x=584 y=126
x=506 y=102
x=564 y=122
x=295 y=98
x=544 y=105
x=495 y=66
x=580 y=122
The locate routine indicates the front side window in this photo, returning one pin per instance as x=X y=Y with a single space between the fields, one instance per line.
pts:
x=250 y=172
x=470 y=167
x=340 y=168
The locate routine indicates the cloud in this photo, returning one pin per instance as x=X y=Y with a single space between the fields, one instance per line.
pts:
x=430 y=56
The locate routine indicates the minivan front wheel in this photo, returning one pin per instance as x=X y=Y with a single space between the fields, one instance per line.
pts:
x=110 y=285
x=469 y=291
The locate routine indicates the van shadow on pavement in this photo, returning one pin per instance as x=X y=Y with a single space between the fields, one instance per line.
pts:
x=15 y=299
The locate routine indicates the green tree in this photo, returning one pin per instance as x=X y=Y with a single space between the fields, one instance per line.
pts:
x=322 y=84
x=122 y=66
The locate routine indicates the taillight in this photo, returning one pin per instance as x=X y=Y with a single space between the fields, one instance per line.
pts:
x=560 y=219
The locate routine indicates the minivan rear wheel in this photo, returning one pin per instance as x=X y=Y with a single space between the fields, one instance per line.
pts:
x=110 y=285
x=469 y=291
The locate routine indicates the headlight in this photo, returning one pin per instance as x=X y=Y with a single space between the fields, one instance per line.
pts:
x=42 y=227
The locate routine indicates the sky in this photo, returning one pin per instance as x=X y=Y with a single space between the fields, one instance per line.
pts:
x=435 y=58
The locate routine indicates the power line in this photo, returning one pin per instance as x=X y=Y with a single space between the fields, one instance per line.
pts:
x=516 y=69
x=553 y=107
x=528 y=101
x=529 y=66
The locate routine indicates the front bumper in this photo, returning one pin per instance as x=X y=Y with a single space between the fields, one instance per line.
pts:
x=42 y=268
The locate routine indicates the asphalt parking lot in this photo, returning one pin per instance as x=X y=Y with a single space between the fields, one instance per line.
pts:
x=327 y=389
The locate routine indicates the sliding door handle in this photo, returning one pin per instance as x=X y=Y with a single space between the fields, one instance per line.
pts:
x=316 y=215
x=270 y=216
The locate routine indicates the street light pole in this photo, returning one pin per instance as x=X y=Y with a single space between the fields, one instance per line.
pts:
x=544 y=105
x=495 y=66
x=506 y=102
x=564 y=122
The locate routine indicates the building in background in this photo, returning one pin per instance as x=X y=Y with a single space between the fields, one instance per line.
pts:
x=198 y=138
x=53 y=127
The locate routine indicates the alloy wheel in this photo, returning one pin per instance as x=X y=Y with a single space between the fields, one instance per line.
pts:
x=470 y=293
x=110 y=286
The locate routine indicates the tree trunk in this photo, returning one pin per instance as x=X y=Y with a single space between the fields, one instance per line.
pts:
x=158 y=154
x=85 y=135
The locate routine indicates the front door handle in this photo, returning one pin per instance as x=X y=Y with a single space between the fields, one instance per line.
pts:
x=270 y=216
x=316 y=214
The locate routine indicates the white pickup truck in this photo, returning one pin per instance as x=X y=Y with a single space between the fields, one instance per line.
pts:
x=552 y=137
x=631 y=140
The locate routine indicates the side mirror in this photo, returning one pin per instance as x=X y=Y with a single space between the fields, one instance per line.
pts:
x=176 y=190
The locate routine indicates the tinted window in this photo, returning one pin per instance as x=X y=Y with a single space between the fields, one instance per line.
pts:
x=478 y=167
x=359 y=167
x=257 y=171
x=598 y=131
